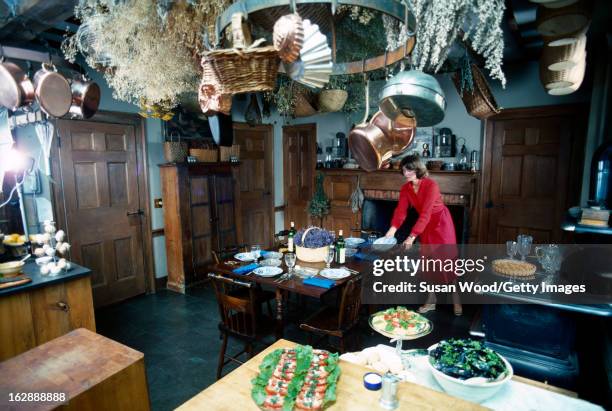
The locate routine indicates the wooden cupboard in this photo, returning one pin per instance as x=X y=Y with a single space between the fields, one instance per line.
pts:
x=201 y=204
x=34 y=316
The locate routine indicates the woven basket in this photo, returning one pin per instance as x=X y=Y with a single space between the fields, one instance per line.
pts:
x=226 y=152
x=205 y=155
x=303 y=105
x=562 y=78
x=555 y=22
x=332 y=100
x=565 y=56
x=555 y=4
x=310 y=255
x=480 y=103
x=175 y=151
x=242 y=69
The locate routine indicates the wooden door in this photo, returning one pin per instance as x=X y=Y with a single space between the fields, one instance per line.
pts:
x=256 y=182
x=200 y=187
x=531 y=166
x=102 y=205
x=299 y=162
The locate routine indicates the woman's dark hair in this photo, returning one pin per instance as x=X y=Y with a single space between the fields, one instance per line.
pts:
x=414 y=163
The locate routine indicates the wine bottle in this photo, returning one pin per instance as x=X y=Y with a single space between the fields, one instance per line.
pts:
x=340 y=249
x=290 y=237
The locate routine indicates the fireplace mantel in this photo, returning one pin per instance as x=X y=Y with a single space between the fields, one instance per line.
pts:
x=457 y=188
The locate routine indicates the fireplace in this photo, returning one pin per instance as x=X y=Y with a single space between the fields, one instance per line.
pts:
x=376 y=216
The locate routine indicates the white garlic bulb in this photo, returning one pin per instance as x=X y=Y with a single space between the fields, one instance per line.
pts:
x=45 y=247
x=61 y=263
x=60 y=236
x=39 y=252
x=49 y=229
x=44 y=270
x=50 y=252
x=46 y=237
x=68 y=266
x=65 y=248
x=55 y=270
x=58 y=246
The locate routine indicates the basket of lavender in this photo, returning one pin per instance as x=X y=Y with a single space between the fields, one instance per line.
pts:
x=311 y=244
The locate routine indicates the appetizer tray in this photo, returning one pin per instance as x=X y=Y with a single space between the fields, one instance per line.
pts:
x=400 y=323
x=299 y=378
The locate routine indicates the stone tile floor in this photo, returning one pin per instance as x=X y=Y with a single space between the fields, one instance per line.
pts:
x=179 y=337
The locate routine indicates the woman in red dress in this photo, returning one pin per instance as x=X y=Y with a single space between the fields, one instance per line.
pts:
x=434 y=225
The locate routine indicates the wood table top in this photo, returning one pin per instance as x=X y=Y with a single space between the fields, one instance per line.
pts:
x=234 y=391
x=296 y=284
x=71 y=364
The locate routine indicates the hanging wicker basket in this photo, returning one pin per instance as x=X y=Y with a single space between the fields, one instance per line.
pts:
x=310 y=255
x=479 y=103
x=242 y=69
x=562 y=78
x=303 y=104
x=332 y=100
x=555 y=22
x=564 y=57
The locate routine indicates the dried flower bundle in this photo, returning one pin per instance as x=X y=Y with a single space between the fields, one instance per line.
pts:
x=315 y=238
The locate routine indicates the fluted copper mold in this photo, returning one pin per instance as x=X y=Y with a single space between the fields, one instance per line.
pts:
x=400 y=131
x=288 y=37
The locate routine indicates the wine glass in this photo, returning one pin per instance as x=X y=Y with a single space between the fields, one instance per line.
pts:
x=511 y=248
x=256 y=252
x=290 y=262
x=329 y=257
x=524 y=245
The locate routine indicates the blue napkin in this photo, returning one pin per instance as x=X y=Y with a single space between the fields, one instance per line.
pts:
x=364 y=256
x=245 y=268
x=319 y=282
x=264 y=253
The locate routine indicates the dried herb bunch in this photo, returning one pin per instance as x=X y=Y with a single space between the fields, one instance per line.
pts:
x=440 y=22
x=319 y=205
x=147 y=48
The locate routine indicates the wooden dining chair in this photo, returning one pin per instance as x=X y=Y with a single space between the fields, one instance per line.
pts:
x=223 y=254
x=340 y=321
x=239 y=317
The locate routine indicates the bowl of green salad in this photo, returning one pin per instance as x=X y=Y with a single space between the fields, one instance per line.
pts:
x=467 y=369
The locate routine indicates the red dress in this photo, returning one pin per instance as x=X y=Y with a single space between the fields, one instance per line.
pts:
x=434 y=226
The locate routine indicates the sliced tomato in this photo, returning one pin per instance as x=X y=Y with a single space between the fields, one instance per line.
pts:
x=274 y=402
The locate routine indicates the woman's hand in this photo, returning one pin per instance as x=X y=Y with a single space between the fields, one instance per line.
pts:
x=391 y=232
x=408 y=242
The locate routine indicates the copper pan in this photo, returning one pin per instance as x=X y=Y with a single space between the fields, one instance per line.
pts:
x=400 y=131
x=52 y=91
x=16 y=89
x=370 y=147
x=85 y=98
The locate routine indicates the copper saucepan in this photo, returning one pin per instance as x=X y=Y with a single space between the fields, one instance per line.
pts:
x=16 y=89
x=85 y=98
x=371 y=148
x=52 y=91
x=400 y=131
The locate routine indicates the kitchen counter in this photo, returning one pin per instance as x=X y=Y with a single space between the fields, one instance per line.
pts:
x=33 y=271
x=45 y=308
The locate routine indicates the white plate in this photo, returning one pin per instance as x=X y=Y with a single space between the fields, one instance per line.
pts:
x=334 y=273
x=268 y=271
x=244 y=257
x=272 y=255
x=354 y=242
x=271 y=262
x=350 y=252
x=385 y=241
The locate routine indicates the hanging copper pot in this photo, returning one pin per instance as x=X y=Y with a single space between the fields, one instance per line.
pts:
x=16 y=89
x=400 y=131
x=52 y=91
x=85 y=98
x=370 y=147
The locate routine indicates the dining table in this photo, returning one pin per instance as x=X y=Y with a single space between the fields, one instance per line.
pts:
x=235 y=388
x=295 y=284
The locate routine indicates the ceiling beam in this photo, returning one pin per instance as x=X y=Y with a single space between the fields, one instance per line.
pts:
x=34 y=16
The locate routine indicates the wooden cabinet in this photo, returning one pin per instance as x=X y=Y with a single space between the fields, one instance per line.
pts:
x=92 y=371
x=32 y=317
x=339 y=188
x=201 y=213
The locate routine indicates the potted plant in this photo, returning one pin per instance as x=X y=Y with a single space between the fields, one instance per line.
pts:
x=312 y=244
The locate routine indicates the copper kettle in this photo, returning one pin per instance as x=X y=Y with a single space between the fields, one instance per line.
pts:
x=400 y=131
x=368 y=143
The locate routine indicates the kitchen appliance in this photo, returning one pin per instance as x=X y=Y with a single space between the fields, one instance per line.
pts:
x=341 y=145
x=444 y=143
x=474 y=160
x=601 y=176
